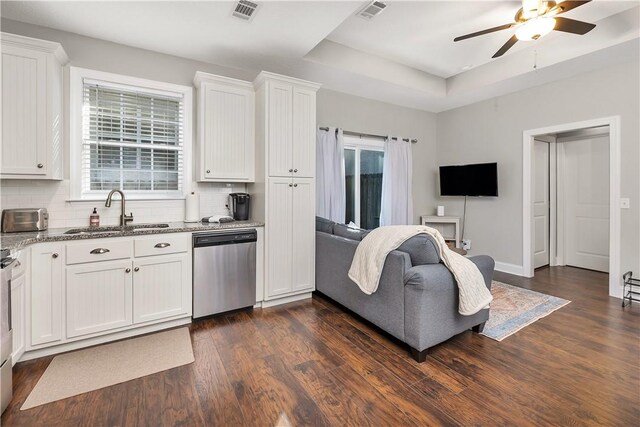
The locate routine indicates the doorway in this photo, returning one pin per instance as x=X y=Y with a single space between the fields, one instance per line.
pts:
x=529 y=196
x=571 y=199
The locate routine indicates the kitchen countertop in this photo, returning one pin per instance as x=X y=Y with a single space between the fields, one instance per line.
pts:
x=17 y=241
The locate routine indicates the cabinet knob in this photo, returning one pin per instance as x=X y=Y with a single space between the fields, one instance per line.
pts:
x=127 y=270
x=295 y=185
x=54 y=255
x=40 y=165
x=295 y=170
x=290 y=170
x=290 y=185
x=136 y=269
x=208 y=170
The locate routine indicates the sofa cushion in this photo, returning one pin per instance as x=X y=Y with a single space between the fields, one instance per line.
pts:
x=352 y=233
x=421 y=249
x=324 y=225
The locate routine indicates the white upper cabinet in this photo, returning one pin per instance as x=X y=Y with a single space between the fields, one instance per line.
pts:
x=32 y=134
x=280 y=125
x=226 y=122
x=290 y=123
x=304 y=132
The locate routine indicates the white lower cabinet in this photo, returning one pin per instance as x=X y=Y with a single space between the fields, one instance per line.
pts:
x=161 y=287
x=291 y=237
x=304 y=232
x=99 y=297
x=99 y=294
x=18 y=297
x=47 y=277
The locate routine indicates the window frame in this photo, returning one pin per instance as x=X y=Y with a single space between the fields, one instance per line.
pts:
x=77 y=76
x=359 y=143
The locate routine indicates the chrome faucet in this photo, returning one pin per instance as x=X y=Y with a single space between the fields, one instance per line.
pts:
x=124 y=218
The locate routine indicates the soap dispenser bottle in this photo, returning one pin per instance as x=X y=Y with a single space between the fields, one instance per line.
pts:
x=94 y=219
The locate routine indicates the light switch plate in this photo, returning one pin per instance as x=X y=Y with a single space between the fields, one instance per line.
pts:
x=624 y=203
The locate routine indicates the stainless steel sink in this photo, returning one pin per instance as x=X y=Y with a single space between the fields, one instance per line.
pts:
x=116 y=229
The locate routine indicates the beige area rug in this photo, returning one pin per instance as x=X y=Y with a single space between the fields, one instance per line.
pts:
x=105 y=365
x=513 y=308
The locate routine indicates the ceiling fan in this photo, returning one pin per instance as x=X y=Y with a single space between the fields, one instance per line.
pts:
x=537 y=18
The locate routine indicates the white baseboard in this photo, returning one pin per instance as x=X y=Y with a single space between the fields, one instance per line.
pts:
x=285 y=300
x=505 y=267
x=102 y=339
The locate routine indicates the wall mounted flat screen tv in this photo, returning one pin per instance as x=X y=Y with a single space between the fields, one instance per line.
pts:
x=480 y=179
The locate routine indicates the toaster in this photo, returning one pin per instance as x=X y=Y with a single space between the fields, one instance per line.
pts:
x=16 y=220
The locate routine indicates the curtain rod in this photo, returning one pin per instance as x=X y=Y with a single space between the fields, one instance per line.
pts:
x=348 y=132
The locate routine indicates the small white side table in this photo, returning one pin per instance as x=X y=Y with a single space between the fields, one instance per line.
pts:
x=448 y=226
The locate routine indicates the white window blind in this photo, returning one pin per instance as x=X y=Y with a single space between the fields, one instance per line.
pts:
x=132 y=140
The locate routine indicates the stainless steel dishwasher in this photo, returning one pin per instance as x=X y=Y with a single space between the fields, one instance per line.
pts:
x=224 y=271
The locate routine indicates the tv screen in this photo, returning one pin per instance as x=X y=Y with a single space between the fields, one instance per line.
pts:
x=479 y=179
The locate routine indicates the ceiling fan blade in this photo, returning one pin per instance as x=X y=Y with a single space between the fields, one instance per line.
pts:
x=572 y=26
x=487 y=31
x=508 y=45
x=566 y=6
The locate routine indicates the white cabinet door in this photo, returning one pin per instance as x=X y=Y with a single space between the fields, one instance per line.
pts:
x=47 y=275
x=279 y=236
x=227 y=133
x=161 y=287
x=303 y=233
x=304 y=132
x=280 y=125
x=24 y=111
x=18 y=319
x=98 y=297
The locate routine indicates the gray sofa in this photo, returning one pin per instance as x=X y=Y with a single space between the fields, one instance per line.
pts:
x=417 y=298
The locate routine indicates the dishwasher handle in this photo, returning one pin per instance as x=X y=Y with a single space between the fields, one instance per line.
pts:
x=217 y=239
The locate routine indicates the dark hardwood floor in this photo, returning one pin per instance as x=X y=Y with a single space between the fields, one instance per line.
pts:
x=317 y=365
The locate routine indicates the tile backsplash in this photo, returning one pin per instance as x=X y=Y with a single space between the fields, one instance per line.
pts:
x=55 y=195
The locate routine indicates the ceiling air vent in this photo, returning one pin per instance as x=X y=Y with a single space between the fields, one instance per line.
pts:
x=245 y=10
x=371 y=10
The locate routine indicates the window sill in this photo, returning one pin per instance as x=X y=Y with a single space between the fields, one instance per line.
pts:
x=127 y=198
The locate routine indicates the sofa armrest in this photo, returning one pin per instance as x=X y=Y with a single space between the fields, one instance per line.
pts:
x=429 y=276
x=431 y=303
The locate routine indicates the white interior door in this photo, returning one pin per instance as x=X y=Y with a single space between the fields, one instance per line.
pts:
x=586 y=195
x=541 y=203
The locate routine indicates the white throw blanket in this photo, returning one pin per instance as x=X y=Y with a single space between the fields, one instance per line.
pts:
x=372 y=252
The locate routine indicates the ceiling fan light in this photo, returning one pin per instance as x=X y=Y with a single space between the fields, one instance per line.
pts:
x=535 y=28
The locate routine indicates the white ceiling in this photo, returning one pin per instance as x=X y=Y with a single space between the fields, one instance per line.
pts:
x=420 y=34
x=405 y=56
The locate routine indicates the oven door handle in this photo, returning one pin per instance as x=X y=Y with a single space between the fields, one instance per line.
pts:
x=9 y=309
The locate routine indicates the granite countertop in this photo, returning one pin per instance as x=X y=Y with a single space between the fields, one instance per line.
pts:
x=17 y=241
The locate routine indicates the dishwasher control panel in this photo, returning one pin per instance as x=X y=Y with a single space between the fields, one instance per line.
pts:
x=226 y=238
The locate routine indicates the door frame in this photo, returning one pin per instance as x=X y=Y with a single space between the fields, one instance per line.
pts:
x=553 y=197
x=615 y=278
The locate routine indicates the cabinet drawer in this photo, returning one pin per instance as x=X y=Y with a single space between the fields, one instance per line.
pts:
x=161 y=244
x=98 y=250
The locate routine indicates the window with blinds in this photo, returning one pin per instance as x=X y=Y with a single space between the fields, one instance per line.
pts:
x=132 y=140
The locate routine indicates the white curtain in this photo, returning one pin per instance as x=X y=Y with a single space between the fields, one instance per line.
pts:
x=330 y=179
x=397 y=200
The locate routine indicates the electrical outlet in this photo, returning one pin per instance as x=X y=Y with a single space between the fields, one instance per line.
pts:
x=466 y=244
x=624 y=203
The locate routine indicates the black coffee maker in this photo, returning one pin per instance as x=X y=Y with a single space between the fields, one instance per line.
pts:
x=240 y=206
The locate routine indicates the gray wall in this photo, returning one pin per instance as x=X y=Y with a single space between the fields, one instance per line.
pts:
x=368 y=116
x=491 y=131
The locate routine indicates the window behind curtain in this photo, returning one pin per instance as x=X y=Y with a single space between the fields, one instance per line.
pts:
x=132 y=140
x=364 y=160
